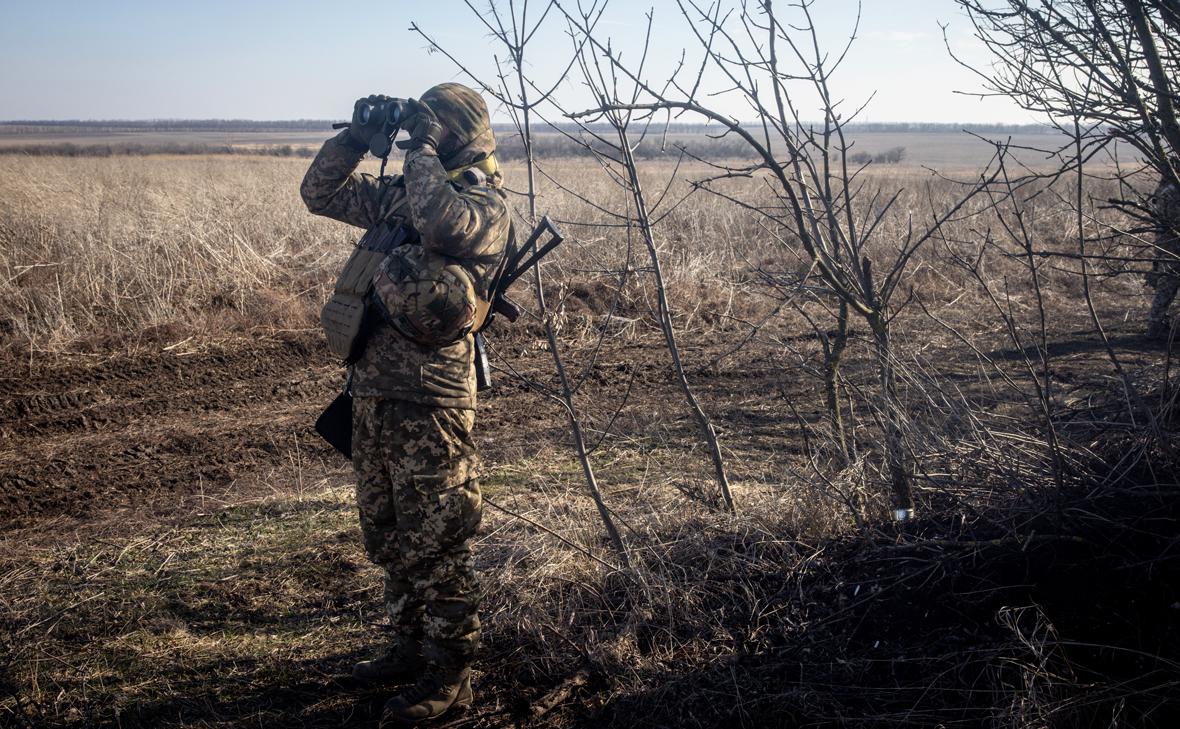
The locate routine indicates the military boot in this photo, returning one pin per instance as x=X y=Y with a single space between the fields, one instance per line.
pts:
x=402 y=663
x=434 y=695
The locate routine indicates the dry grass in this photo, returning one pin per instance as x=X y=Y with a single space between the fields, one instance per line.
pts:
x=247 y=611
x=251 y=612
x=96 y=250
x=101 y=248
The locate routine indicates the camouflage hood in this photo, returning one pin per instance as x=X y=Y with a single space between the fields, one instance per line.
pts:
x=463 y=111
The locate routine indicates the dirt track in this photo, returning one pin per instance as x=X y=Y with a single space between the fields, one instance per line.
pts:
x=128 y=429
x=86 y=438
x=81 y=435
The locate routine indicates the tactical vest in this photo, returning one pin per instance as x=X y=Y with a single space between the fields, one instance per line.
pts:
x=428 y=298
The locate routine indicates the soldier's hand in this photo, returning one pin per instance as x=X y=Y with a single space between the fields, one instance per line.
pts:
x=366 y=120
x=423 y=127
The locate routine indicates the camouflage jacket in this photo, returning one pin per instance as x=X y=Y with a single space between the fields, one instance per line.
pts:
x=465 y=225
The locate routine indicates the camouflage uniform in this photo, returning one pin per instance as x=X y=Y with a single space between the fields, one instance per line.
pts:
x=1165 y=269
x=414 y=406
x=419 y=504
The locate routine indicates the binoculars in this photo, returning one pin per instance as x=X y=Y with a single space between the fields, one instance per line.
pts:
x=384 y=118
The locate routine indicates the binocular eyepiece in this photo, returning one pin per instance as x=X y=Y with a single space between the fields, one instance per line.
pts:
x=378 y=120
x=385 y=114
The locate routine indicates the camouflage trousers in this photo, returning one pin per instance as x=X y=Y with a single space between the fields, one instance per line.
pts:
x=419 y=505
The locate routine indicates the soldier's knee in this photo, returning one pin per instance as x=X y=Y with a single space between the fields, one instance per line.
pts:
x=456 y=611
x=381 y=540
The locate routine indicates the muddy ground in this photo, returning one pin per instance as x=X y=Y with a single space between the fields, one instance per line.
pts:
x=92 y=434
x=87 y=436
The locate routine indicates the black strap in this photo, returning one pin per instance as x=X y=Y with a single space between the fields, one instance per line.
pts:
x=510 y=253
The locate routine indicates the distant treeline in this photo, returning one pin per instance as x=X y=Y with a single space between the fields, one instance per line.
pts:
x=891 y=156
x=135 y=149
x=510 y=148
x=114 y=126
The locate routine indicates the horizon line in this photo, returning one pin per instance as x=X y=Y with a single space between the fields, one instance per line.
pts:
x=312 y=121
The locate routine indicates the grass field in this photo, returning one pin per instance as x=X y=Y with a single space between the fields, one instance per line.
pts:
x=179 y=549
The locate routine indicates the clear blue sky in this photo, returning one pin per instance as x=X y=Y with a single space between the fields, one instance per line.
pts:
x=272 y=59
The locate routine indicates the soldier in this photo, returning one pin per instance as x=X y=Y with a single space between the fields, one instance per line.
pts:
x=414 y=387
x=1165 y=269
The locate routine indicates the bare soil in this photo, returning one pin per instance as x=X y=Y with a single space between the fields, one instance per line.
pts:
x=80 y=436
x=87 y=435
x=84 y=436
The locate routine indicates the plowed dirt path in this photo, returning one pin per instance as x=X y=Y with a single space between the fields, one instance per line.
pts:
x=83 y=437
x=132 y=428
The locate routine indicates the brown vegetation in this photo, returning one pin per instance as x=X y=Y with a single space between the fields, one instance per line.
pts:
x=845 y=343
x=180 y=549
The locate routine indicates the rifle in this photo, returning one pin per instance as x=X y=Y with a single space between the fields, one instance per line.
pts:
x=513 y=269
x=335 y=424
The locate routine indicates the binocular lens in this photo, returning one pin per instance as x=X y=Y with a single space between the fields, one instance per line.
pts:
x=365 y=113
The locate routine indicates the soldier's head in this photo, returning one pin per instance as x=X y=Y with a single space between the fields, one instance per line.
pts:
x=463 y=112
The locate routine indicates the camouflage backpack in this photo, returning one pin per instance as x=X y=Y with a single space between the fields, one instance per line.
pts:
x=428 y=299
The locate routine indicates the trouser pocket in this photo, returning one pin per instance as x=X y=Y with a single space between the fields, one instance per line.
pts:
x=446 y=511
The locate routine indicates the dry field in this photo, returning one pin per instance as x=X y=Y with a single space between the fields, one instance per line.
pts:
x=178 y=548
x=941 y=150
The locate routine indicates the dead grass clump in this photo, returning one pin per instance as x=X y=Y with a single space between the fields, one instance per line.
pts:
x=98 y=248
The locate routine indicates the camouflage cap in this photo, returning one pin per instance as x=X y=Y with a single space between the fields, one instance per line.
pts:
x=463 y=111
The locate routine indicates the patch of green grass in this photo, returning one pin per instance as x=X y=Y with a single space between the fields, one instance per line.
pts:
x=526 y=473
